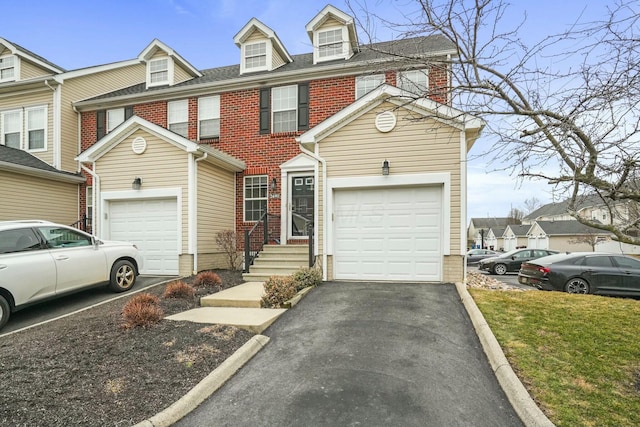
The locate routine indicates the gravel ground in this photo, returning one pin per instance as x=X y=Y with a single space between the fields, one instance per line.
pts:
x=86 y=370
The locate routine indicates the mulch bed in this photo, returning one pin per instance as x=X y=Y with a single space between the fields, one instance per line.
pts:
x=86 y=370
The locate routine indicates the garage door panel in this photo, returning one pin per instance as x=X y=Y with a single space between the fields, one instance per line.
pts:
x=151 y=224
x=388 y=234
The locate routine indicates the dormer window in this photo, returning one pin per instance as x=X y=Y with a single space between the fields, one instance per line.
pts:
x=158 y=72
x=7 y=68
x=330 y=44
x=255 y=56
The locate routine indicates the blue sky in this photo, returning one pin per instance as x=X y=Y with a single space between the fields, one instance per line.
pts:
x=80 y=33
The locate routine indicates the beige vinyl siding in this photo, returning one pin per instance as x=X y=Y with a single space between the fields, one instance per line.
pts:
x=276 y=60
x=37 y=198
x=216 y=212
x=256 y=36
x=27 y=99
x=162 y=165
x=4 y=50
x=85 y=87
x=180 y=75
x=414 y=146
x=29 y=70
x=329 y=23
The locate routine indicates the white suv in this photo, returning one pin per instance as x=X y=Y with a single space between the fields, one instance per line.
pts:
x=41 y=260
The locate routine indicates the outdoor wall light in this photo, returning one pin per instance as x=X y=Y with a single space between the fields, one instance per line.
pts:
x=137 y=183
x=385 y=168
x=274 y=185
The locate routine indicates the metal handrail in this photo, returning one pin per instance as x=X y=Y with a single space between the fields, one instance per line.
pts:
x=82 y=224
x=308 y=225
x=250 y=255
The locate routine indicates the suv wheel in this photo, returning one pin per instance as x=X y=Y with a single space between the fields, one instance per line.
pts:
x=5 y=311
x=123 y=276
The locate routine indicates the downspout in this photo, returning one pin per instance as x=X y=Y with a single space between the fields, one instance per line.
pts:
x=193 y=215
x=324 y=207
x=57 y=147
x=95 y=189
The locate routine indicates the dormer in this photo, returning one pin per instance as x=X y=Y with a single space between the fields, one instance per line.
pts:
x=260 y=47
x=17 y=63
x=333 y=34
x=164 y=66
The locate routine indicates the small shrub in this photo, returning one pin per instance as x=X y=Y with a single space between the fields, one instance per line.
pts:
x=307 y=277
x=178 y=289
x=142 y=310
x=278 y=289
x=227 y=240
x=208 y=279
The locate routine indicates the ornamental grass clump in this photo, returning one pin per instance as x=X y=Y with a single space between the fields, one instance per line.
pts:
x=306 y=277
x=208 y=279
x=278 y=290
x=142 y=310
x=178 y=289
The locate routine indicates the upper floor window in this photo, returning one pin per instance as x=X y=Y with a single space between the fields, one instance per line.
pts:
x=36 y=128
x=365 y=84
x=178 y=117
x=7 y=68
x=158 y=72
x=209 y=117
x=115 y=116
x=284 y=103
x=28 y=132
x=414 y=81
x=11 y=126
x=255 y=56
x=330 y=44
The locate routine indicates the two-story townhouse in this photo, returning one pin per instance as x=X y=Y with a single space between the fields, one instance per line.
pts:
x=334 y=141
x=38 y=119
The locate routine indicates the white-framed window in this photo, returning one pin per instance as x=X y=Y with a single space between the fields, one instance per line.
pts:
x=255 y=197
x=158 y=72
x=255 y=56
x=209 y=117
x=178 y=117
x=284 y=108
x=36 y=128
x=365 y=84
x=330 y=44
x=89 y=207
x=11 y=127
x=115 y=116
x=8 y=68
x=414 y=81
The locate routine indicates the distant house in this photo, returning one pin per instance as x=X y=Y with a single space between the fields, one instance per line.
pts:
x=569 y=236
x=494 y=239
x=479 y=228
x=588 y=207
x=515 y=236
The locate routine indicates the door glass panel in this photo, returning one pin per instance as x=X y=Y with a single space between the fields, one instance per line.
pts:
x=301 y=204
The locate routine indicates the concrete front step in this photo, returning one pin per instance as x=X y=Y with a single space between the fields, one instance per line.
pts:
x=278 y=260
x=252 y=319
x=246 y=295
x=258 y=277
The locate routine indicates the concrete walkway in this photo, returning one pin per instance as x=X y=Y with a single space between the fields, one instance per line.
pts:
x=366 y=354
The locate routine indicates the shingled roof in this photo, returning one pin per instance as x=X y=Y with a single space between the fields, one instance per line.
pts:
x=556 y=228
x=417 y=47
x=491 y=222
x=19 y=160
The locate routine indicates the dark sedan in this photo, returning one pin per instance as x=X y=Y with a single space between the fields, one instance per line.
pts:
x=512 y=260
x=475 y=255
x=584 y=273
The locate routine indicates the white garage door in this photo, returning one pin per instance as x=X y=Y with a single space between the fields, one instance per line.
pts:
x=388 y=234
x=153 y=226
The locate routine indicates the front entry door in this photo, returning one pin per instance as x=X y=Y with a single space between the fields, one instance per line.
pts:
x=301 y=207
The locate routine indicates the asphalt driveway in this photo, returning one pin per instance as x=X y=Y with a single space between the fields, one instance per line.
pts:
x=369 y=354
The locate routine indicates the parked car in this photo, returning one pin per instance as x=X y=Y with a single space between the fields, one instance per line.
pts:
x=583 y=273
x=41 y=260
x=475 y=255
x=511 y=261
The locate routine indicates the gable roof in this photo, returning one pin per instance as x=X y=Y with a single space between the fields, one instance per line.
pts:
x=569 y=227
x=491 y=222
x=255 y=24
x=329 y=12
x=518 y=230
x=135 y=123
x=300 y=68
x=157 y=45
x=30 y=56
x=19 y=161
x=394 y=95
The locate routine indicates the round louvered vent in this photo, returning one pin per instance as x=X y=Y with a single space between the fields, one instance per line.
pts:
x=385 y=122
x=139 y=145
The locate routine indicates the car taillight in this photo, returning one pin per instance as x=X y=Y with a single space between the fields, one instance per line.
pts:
x=543 y=270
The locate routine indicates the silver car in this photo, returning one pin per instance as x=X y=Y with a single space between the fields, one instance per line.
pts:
x=41 y=260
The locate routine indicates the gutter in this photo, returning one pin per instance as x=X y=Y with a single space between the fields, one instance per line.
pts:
x=193 y=211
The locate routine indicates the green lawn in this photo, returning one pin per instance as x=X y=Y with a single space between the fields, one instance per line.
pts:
x=578 y=355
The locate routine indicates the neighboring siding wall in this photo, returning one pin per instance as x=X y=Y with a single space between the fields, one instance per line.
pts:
x=216 y=212
x=86 y=87
x=453 y=269
x=413 y=147
x=161 y=166
x=331 y=22
x=38 y=198
x=30 y=71
x=180 y=75
x=39 y=98
x=566 y=244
